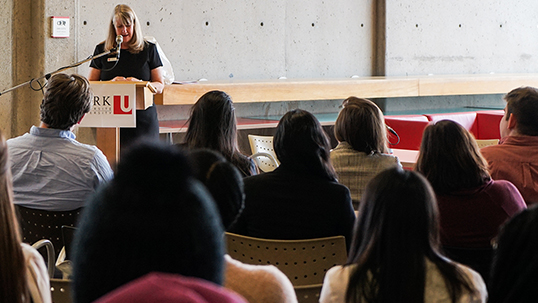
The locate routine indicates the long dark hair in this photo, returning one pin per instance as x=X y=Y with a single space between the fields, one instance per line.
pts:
x=301 y=143
x=450 y=159
x=515 y=266
x=13 y=285
x=223 y=181
x=213 y=125
x=361 y=124
x=396 y=231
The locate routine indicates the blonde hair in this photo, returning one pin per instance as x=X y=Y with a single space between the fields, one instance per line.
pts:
x=13 y=285
x=126 y=16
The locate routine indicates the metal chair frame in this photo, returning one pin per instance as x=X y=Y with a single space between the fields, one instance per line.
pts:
x=50 y=254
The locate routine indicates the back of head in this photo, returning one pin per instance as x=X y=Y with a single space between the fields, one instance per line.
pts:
x=13 y=287
x=67 y=98
x=399 y=210
x=523 y=104
x=301 y=143
x=450 y=159
x=515 y=267
x=223 y=181
x=153 y=216
x=395 y=232
x=360 y=123
x=212 y=124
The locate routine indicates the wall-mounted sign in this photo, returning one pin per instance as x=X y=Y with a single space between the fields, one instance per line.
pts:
x=59 y=26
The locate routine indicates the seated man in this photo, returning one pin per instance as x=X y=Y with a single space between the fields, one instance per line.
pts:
x=516 y=157
x=51 y=170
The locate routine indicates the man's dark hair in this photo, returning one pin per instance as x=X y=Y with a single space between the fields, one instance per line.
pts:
x=67 y=99
x=523 y=103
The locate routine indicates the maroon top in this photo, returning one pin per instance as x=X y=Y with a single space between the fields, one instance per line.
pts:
x=165 y=287
x=471 y=218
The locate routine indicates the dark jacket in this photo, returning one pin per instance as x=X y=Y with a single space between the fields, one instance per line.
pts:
x=289 y=205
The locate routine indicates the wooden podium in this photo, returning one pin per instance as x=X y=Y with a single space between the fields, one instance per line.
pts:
x=108 y=138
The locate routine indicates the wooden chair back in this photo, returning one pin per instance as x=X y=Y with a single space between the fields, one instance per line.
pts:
x=304 y=262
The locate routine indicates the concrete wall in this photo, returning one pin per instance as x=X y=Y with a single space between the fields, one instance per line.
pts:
x=458 y=37
x=249 y=39
x=216 y=39
x=461 y=37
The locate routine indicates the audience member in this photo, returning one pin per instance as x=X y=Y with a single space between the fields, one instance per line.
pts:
x=301 y=199
x=515 y=267
x=395 y=254
x=170 y=288
x=213 y=125
x=23 y=275
x=472 y=206
x=51 y=170
x=516 y=158
x=223 y=181
x=153 y=216
x=256 y=283
x=362 y=150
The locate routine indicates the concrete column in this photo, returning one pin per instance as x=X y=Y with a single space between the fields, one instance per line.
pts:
x=6 y=66
x=28 y=30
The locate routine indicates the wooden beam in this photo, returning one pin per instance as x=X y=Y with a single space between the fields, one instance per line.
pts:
x=474 y=84
x=292 y=90
x=330 y=89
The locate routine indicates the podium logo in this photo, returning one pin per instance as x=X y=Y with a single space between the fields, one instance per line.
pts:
x=122 y=105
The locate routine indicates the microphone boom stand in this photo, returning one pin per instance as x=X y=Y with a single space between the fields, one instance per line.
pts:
x=47 y=76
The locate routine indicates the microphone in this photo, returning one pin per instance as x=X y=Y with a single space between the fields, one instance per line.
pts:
x=119 y=40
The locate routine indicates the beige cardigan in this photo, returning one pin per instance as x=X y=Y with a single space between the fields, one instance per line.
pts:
x=258 y=283
x=37 y=275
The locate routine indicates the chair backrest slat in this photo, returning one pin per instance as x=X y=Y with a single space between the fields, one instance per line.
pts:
x=303 y=261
